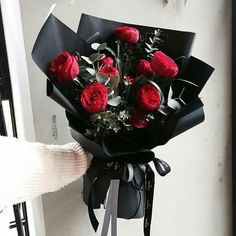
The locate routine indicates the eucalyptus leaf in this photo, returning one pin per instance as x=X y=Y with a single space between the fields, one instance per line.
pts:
x=147 y=50
x=96 y=57
x=95 y=46
x=148 y=45
x=110 y=92
x=114 y=82
x=170 y=94
x=87 y=60
x=102 y=46
x=151 y=50
x=91 y=71
x=175 y=105
x=102 y=78
x=99 y=46
x=114 y=101
x=154 y=49
x=157 y=33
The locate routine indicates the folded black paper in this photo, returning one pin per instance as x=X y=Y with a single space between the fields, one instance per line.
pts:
x=176 y=43
x=59 y=98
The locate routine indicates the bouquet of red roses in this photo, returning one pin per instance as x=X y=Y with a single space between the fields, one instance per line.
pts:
x=126 y=89
x=123 y=88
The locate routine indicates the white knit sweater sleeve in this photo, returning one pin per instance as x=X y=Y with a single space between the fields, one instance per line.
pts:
x=28 y=170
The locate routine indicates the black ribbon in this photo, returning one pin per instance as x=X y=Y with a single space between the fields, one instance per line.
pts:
x=149 y=189
x=117 y=170
x=113 y=170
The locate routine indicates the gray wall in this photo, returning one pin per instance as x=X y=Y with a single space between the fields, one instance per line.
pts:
x=191 y=202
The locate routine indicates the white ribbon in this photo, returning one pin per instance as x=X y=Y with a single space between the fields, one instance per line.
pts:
x=111 y=209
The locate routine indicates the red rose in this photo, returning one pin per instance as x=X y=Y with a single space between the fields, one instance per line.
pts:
x=127 y=34
x=138 y=120
x=163 y=65
x=148 y=97
x=107 y=61
x=94 y=97
x=144 y=67
x=109 y=70
x=64 y=67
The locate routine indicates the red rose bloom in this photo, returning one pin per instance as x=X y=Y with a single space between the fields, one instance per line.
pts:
x=107 y=61
x=94 y=97
x=138 y=120
x=144 y=67
x=148 y=97
x=109 y=70
x=127 y=34
x=64 y=67
x=163 y=65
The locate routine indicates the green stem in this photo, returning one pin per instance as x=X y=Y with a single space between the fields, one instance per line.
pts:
x=118 y=61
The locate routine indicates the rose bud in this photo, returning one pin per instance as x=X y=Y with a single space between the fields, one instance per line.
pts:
x=144 y=67
x=127 y=34
x=163 y=65
x=147 y=97
x=64 y=68
x=138 y=120
x=109 y=70
x=107 y=61
x=94 y=97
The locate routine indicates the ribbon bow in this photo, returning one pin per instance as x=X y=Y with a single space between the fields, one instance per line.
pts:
x=122 y=171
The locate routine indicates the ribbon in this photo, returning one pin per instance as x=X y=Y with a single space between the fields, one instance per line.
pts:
x=111 y=209
x=149 y=189
x=120 y=171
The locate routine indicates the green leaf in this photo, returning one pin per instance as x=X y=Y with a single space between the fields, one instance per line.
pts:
x=96 y=57
x=114 y=82
x=91 y=71
x=110 y=92
x=148 y=45
x=102 y=46
x=98 y=46
x=170 y=94
x=172 y=103
x=157 y=33
x=114 y=101
x=95 y=46
x=87 y=60
x=102 y=78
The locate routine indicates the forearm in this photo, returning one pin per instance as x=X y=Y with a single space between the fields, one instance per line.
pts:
x=31 y=169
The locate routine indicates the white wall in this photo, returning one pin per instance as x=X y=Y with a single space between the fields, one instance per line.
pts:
x=189 y=201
